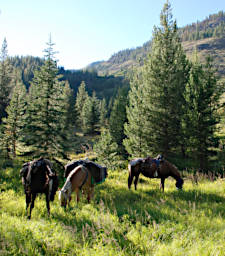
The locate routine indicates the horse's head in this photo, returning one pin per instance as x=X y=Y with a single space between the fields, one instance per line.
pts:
x=179 y=183
x=65 y=193
x=63 y=197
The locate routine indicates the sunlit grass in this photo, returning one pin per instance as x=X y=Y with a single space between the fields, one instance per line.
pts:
x=118 y=221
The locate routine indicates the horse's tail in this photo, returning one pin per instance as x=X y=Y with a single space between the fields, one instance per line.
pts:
x=130 y=177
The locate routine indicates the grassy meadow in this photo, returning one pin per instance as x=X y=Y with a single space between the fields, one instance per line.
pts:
x=118 y=221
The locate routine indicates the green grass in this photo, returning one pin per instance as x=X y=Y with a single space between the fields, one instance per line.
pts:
x=118 y=221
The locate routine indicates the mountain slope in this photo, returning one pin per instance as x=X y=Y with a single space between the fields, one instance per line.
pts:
x=207 y=36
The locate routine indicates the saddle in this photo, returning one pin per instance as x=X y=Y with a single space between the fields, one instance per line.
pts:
x=31 y=168
x=149 y=161
x=159 y=159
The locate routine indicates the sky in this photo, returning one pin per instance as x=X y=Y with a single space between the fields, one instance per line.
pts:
x=85 y=31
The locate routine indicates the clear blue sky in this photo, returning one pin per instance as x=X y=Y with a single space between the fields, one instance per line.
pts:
x=85 y=31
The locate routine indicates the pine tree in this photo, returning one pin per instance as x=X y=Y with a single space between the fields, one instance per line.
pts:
x=13 y=124
x=136 y=143
x=102 y=113
x=106 y=150
x=90 y=114
x=5 y=79
x=165 y=77
x=156 y=101
x=203 y=94
x=81 y=98
x=70 y=117
x=45 y=116
x=117 y=120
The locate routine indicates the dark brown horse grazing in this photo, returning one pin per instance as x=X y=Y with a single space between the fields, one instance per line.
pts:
x=153 y=168
x=38 y=177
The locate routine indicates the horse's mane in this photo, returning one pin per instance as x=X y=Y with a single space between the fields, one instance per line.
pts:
x=68 y=184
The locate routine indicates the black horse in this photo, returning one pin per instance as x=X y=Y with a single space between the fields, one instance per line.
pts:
x=38 y=177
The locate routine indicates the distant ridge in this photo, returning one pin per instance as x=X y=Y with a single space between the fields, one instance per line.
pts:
x=207 y=36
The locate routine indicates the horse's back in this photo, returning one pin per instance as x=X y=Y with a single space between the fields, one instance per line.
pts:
x=71 y=166
x=79 y=176
x=36 y=175
x=168 y=169
x=38 y=181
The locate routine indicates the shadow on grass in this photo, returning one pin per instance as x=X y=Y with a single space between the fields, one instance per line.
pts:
x=196 y=195
x=137 y=205
x=141 y=204
x=10 y=179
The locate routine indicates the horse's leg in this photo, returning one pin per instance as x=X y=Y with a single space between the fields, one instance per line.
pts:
x=90 y=194
x=77 y=190
x=28 y=200
x=130 y=179
x=33 y=196
x=47 y=203
x=136 y=181
x=162 y=184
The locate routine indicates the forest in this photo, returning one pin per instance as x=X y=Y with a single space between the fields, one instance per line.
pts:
x=169 y=104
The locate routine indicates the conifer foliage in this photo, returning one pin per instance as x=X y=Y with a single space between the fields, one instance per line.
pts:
x=157 y=95
x=13 y=124
x=136 y=142
x=202 y=96
x=45 y=116
x=117 y=119
x=5 y=79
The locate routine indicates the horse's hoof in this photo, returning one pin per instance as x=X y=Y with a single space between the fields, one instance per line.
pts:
x=29 y=217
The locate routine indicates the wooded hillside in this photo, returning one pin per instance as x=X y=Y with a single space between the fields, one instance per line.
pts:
x=207 y=36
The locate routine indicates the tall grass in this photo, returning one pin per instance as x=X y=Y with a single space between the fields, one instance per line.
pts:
x=118 y=221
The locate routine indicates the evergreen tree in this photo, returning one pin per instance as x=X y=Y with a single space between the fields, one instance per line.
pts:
x=71 y=114
x=90 y=114
x=203 y=94
x=117 y=120
x=45 y=117
x=136 y=143
x=102 y=113
x=5 y=79
x=13 y=124
x=81 y=98
x=70 y=117
x=106 y=150
x=159 y=93
x=165 y=77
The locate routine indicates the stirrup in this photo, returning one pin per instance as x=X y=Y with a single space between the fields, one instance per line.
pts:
x=156 y=174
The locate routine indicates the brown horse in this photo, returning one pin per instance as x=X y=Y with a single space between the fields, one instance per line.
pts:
x=78 y=179
x=38 y=177
x=153 y=168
